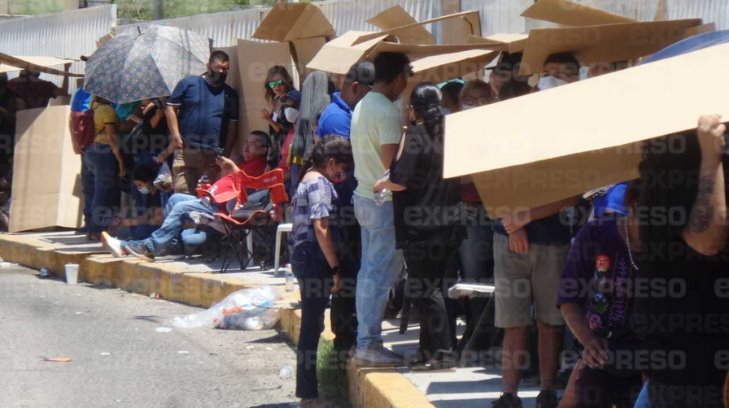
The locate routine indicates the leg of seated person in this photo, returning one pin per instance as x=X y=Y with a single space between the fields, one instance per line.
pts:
x=172 y=224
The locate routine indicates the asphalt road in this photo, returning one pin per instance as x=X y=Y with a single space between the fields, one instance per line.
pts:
x=120 y=357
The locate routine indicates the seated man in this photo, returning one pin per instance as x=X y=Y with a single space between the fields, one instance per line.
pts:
x=179 y=206
x=147 y=218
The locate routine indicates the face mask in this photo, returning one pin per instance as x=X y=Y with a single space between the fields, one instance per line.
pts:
x=291 y=114
x=468 y=107
x=218 y=78
x=549 y=81
x=144 y=190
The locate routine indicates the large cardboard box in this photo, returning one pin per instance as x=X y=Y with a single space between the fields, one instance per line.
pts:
x=564 y=141
x=294 y=21
x=396 y=17
x=569 y=13
x=602 y=43
x=46 y=172
x=339 y=54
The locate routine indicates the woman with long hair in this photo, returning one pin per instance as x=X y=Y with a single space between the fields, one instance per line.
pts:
x=427 y=223
x=683 y=221
x=314 y=259
x=277 y=87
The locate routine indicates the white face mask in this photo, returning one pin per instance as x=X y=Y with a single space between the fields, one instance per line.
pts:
x=547 y=82
x=468 y=107
x=291 y=114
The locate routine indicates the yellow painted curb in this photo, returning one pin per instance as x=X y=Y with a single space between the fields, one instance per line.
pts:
x=380 y=388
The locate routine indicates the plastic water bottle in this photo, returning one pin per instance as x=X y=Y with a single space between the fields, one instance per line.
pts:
x=381 y=197
x=289 y=275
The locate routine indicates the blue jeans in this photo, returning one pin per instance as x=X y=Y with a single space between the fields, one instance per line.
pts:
x=380 y=268
x=177 y=210
x=87 y=186
x=642 y=401
x=104 y=170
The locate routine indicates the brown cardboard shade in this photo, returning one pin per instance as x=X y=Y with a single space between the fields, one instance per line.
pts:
x=396 y=30
x=457 y=30
x=304 y=51
x=604 y=43
x=396 y=17
x=561 y=142
x=294 y=21
x=46 y=172
x=10 y=63
x=420 y=51
x=510 y=43
x=442 y=67
x=338 y=55
x=569 y=13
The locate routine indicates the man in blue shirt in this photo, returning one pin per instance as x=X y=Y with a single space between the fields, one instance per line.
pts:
x=207 y=123
x=336 y=119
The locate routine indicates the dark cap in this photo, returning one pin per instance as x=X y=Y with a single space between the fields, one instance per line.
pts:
x=362 y=72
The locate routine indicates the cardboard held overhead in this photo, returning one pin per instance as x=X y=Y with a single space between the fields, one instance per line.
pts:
x=457 y=30
x=562 y=142
x=420 y=51
x=10 y=63
x=395 y=17
x=404 y=28
x=294 y=21
x=254 y=61
x=604 y=43
x=338 y=55
x=510 y=43
x=569 y=13
x=303 y=51
x=439 y=68
x=46 y=172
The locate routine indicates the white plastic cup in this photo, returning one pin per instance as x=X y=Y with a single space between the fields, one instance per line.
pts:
x=71 y=274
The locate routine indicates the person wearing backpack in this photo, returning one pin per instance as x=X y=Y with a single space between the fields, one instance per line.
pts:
x=81 y=124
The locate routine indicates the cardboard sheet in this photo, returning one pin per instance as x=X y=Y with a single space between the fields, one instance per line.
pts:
x=395 y=17
x=294 y=21
x=439 y=68
x=561 y=142
x=510 y=43
x=457 y=30
x=404 y=28
x=304 y=51
x=569 y=13
x=420 y=51
x=254 y=61
x=604 y=43
x=338 y=55
x=10 y=63
x=46 y=172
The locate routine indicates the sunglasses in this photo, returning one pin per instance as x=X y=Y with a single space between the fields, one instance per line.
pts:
x=274 y=84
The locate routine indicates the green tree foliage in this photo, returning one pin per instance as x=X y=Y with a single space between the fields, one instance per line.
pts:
x=143 y=9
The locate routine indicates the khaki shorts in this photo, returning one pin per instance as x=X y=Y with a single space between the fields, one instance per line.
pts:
x=525 y=279
x=189 y=165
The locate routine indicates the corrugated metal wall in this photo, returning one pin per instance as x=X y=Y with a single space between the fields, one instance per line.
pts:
x=347 y=15
x=68 y=34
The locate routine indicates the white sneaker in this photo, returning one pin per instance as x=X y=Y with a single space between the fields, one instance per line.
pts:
x=114 y=245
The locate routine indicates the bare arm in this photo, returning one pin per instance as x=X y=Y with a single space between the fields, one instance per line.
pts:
x=231 y=138
x=596 y=349
x=385 y=183
x=518 y=219
x=110 y=132
x=175 y=138
x=388 y=153
x=706 y=231
x=323 y=237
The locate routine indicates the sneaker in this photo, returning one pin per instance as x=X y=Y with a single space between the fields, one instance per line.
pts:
x=507 y=401
x=138 y=251
x=547 y=399
x=114 y=245
x=377 y=357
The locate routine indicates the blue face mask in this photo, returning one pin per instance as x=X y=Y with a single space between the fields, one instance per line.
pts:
x=144 y=190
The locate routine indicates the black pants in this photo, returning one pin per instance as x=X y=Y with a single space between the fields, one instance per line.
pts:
x=344 y=312
x=427 y=266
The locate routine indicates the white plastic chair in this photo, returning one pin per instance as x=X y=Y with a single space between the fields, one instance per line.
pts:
x=277 y=252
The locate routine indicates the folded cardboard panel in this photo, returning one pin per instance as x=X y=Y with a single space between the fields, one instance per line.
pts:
x=46 y=172
x=395 y=17
x=338 y=55
x=591 y=125
x=569 y=13
x=294 y=21
x=604 y=43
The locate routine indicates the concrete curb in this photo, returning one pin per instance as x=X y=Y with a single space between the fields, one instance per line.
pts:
x=380 y=388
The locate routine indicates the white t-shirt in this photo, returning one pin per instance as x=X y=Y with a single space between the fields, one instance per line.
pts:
x=375 y=122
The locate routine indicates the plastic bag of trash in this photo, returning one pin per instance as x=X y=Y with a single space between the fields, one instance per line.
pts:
x=245 y=309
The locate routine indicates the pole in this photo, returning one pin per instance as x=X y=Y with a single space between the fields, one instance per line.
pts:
x=158 y=12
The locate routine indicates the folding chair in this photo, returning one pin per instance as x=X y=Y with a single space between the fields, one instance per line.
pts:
x=247 y=215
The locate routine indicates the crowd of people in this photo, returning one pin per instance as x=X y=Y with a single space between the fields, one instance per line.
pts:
x=370 y=209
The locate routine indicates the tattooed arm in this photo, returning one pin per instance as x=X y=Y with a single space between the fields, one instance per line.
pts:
x=706 y=231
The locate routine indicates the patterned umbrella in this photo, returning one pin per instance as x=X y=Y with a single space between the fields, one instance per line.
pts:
x=145 y=63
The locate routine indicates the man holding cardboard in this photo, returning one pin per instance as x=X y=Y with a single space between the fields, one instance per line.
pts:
x=375 y=136
x=530 y=249
x=208 y=121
